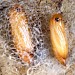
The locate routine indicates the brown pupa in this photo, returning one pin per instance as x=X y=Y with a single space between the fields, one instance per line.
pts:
x=58 y=38
x=21 y=33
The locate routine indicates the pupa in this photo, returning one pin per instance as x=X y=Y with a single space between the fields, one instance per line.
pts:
x=21 y=33
x=58 y=38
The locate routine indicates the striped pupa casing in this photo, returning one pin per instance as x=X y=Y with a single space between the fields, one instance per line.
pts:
x=58 y=38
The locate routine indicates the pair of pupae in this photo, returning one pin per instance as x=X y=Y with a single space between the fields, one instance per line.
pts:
x=22 y=38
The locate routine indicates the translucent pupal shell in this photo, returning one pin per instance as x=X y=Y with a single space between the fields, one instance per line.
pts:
x=58 y=38
x=20 y=32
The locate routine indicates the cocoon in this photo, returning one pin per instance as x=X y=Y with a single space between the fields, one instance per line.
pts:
x=21 y=33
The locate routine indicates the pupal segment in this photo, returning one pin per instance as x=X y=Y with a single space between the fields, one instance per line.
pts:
x=20 y=32
x=58 y=38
